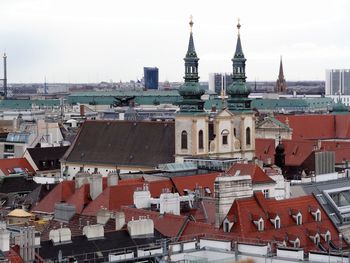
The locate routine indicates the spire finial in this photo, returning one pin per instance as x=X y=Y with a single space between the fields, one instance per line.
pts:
x=238 y=26
x=191 y=22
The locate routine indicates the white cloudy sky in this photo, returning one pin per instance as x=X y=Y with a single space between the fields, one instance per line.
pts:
x=96 y=40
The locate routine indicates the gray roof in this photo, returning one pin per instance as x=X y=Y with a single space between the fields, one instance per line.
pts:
x=129 y=143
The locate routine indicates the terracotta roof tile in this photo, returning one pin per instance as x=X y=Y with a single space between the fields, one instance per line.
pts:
x=192 y=182
x=242 y=211
x=257 y=174
x=61 y=193
x=7 y=166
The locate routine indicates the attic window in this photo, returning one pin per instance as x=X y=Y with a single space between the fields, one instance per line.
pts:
x=299 y=219
x=277 y=222
x=317 y=215
x=297 y=243
x=261 y=225
x=327 y=237
x=207 y=190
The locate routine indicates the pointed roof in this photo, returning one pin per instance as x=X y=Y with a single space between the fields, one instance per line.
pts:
x=239 y=51
x=191 y=51
x=280 y=74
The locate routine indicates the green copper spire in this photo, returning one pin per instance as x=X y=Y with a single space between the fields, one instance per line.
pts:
x=191 y=91
x=238 y=90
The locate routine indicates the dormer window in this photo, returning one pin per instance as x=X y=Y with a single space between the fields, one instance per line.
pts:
x=317 y=215
x=327 y=237
x=227 y=225
x=317 y=239
x=296 y=243
x=298 y=218
x=277 y=223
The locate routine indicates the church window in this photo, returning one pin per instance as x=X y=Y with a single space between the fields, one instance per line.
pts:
x=200 y=139
x=234 y=132
x=184 y=140
x=247 y=138
x=224 y=135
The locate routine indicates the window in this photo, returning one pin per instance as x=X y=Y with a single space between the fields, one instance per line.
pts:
x=234 y=132
x=184 y=140
x=81 y=169
x=299 y=219
x=95 y=170
x=224 y=135
x=226 y=227
x=266 y=193
x=318 y=215
x=297 y=243
x=200 y=140
x=317 y=239
x=261 y=225
x=327 y=237
x=277 y=222
x=247 y=136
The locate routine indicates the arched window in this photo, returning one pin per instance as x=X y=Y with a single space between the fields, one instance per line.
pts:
x=184 y=140
x=234 y=132
x=224 y=135
x=200 y=140
x=247 y=136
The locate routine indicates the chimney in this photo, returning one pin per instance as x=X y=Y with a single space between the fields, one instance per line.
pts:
x=112 y=178
x=4 y=240
x=82 y=110
x=93 y=231
x=119 y=220
x=95 y=186
x=103 y=216
x=142 y=198
x=64 y=212
x=81 y=178
x=61 y=235
x=142 y=227
x=5 y=76
x=27 y=244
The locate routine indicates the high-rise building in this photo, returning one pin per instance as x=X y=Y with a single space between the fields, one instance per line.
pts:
x=218 y=81
x=338 y=81
x=151 y=76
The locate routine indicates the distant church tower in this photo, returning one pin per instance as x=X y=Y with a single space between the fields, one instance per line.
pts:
x=191 y=122
x=281 y=86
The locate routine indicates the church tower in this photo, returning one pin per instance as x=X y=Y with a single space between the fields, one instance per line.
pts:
x=235 y=127
x=281 y=86
x=191 y=122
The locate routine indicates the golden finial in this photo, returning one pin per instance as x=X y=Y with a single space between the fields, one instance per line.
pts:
x=238 y=25
x=191 y=22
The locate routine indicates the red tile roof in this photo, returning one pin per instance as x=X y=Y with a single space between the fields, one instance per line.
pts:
x=80 y=198
x=168 y=225
x=61 y=193
x=297 y=151
x=319 y=126
x=243 y=210
x=257 y=174
x=7 y=166
x=192 y=182
x=116 y=196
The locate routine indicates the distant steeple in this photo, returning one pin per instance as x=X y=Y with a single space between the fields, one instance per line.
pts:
x=238 y=90
x=281 y=86
x=191 y=91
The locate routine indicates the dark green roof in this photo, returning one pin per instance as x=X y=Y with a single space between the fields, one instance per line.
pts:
x=27 y=104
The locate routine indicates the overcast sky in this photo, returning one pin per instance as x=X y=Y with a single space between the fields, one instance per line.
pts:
x=103 y=40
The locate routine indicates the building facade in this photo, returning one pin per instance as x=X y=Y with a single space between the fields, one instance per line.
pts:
x=151 y=76
x=229 y=133
x=219 y=81
x=338 y=81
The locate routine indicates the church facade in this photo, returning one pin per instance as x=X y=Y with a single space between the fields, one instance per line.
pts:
x=230 y=133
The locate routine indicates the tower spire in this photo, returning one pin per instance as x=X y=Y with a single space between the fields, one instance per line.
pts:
x=237 y=90
x=281 y=86
x=191 y=91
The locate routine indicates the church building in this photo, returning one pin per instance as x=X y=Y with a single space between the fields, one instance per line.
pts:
x=228 y=134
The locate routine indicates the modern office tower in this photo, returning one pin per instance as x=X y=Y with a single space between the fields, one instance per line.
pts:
x=338 y=81
x=217 y=81
x=151 y=76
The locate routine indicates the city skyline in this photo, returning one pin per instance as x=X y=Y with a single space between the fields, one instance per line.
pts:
x=93 y=41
